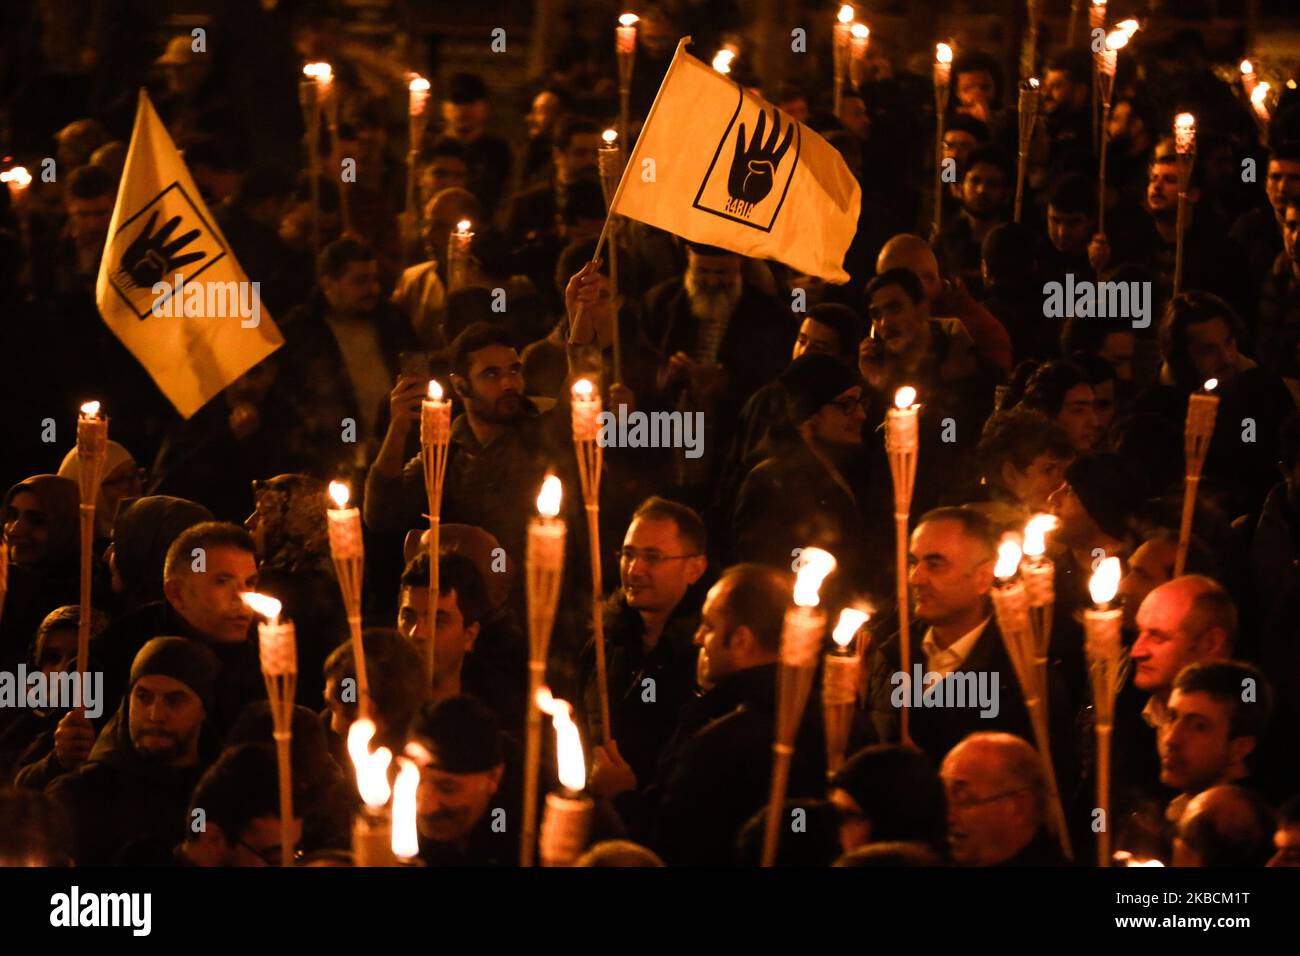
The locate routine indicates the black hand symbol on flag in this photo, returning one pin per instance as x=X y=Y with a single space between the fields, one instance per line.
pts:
x=754 y=166
x=150 y=257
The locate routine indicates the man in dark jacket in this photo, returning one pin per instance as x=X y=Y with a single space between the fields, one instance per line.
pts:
x=649 y=635
x=137 y=783
x=717 y=770
x=501 y=448
x=341 y=352
x=954 y=639
x=808 y=494
x=720 y=340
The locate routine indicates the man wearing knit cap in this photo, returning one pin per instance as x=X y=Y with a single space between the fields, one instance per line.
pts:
x=809 y=494
x=136 y=785
x=465 y=813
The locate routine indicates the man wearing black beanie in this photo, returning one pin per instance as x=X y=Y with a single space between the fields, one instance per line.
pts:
x=466 y=816
x=808 y=494
x=136 y=786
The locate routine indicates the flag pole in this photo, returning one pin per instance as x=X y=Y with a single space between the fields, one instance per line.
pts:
x=631 y=164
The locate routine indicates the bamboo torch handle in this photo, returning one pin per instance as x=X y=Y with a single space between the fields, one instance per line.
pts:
x=781 y=754
x=597 y=617
x=532 y=762
x=1185 y=526
x=904 y=626
x=1103 y=793
x=83 y=619
x=282 y=754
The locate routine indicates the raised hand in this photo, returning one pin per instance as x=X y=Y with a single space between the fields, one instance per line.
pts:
x=754 y=165
x=153 y=255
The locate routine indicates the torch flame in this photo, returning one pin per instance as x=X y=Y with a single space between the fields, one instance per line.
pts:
x=851 y=619
x=418 y=84
x=1104 y=583
x=1036 y=533
x=1033 y=82
x=942 y=53
x=1259 y=94
x=609 y=135
x=628 y=19
x=846 y=13
x=18 y=175
x=340 y=493
x=372 y=768
x=406 y=841
x=568 y=745
x=1247 y=67
x=1184 y=121
x=435 y=390
x=722 y=60
x=1130 y=27
x=262 y=604
x=814 y=567
x=1116 y=39
x=462 y=227
x=320 y=72
x=1211 y=384
x=860 y=30
x=90 y=409
x=582 y=387
x=905 y=397
x=1009 y=554
x=548 y=499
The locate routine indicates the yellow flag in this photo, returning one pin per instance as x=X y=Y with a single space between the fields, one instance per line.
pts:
x=169 y=286
x=716 y=164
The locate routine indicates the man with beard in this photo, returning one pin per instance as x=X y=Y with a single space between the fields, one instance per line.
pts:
x=946 y=298
x=1067 y=106
x=341 y=352
x=1260 y=231
x=467 y=785
x=207 y=568
x=136 y=785
x=720 y=339
x=985 y=188
x=649 y=635
x=501 y=447
x=808 y=494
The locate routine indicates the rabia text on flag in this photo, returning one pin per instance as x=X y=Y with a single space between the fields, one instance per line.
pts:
x=65 y=690
x=1086 y=299
x=209 y=300
x=640 y=429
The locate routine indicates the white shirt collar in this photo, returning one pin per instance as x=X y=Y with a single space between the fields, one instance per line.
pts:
x=945 y=660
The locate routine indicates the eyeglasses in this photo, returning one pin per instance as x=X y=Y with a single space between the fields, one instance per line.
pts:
x=965 y=801
x=649 y=558
x=846 y=405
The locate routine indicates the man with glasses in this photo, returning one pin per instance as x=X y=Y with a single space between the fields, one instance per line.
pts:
x=235 y=812
x=649 y=630
x=810 y=492
x=575 y=155
x=997 y=803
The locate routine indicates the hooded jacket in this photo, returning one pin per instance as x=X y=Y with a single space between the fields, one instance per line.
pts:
x=142 y=534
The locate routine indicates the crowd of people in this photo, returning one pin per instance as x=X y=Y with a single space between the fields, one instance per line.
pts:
x=1022 y=411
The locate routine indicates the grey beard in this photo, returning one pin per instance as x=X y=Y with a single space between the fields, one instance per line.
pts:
x=712 y=304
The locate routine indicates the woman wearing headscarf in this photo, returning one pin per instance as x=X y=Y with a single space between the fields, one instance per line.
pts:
x=123 y=478
x=295 y=566
x=143 y=531
x=41 y=530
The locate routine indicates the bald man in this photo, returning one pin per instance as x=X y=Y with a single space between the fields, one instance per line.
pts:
x=1225 y=826
x=947 y=299
x=997 y=803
